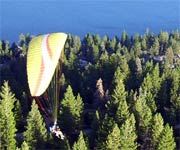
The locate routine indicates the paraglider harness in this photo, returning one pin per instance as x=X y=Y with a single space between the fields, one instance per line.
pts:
x=56 y=130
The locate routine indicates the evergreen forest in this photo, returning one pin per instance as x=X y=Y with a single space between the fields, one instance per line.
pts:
x=119 y=93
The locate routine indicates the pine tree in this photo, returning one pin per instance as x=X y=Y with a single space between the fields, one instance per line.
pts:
x=148 y=68
x=105 y=67
x=24 y=146
x=95 y=53
x=118 y=75
x=36 y=132
x=169 y=56
x=76 y=44
x=118 y=48
x=151 y=87
x=1 y=48
x=6 y=50
x=118 y=96
x=126 y=53
x=80 y=144
x=118 y=103
x=163 y=40
x=111 y=45
x=150 y=100
x=156 y=80
x=136 y=72
x=70 y=111
x=122 y=112
x=97 y=39
x=124 y=67
x=18 y=113
x=125 y=39
x=102 y=46
x=156 y=129
x=7 y=120
x=147 y=87
x=154 y=50
x=128 y=135
x=143 y=116
x=175 y=45
x=106 y=126
x=138 y=66
x=175 y=88
x=144 y=43
x=122 y=71
x=166 y=140
x=136 y=48
x=113 y=140
x=163 y=95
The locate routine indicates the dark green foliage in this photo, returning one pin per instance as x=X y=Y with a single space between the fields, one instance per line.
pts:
x=163 y=40
x=122 y=112
x=36 y=132
x=135 y=66
x=7 y=119
x=70 y=112
x=144 y=43
x=143 y=116
x=148 y=67
x=113 y=139
x=174 y=42
x=18 y=115
x=105 y=127
x=24 y=146
x=136 y=49
x=151 y=87
x=166 y=139
x=117 y=104
x=175 y=89
x=169 y=57
x=24 y=40
x=128 y=135
x=125 y=39
x=155 y=47
x=156 y=130
x=122 y=71
x=80 y=144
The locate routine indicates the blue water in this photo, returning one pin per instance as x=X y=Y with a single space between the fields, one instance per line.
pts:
x=79 y=17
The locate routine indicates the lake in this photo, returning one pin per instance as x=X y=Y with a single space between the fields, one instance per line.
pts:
x=80 y=17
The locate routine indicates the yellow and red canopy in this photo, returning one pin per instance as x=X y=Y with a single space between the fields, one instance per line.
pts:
x=43 y=55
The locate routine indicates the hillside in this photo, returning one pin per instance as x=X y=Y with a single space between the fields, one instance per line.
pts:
x=116 y=93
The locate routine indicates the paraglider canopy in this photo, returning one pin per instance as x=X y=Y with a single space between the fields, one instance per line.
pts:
x=42 y=58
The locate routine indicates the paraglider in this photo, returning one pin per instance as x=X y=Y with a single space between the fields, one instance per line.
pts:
x=43 y=72
x=55 y=129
